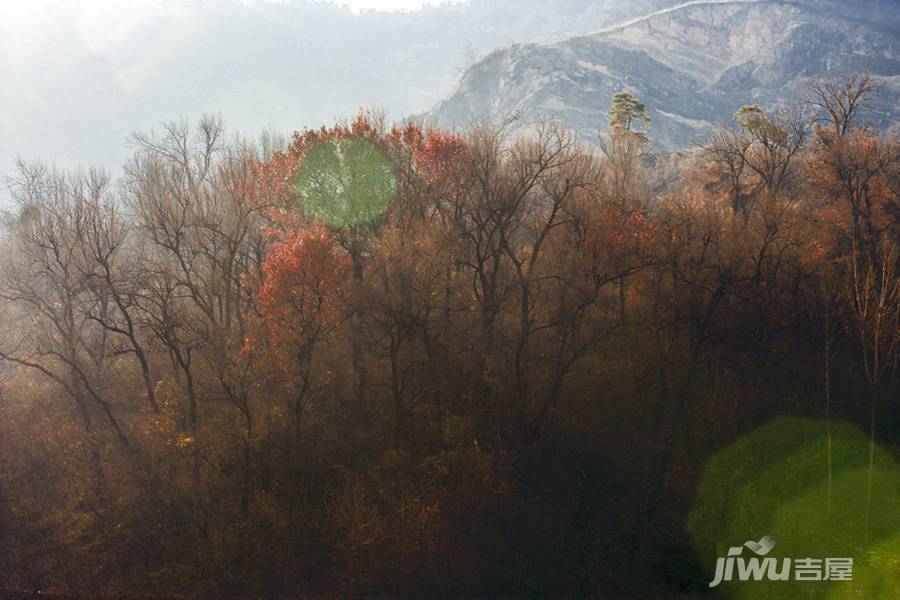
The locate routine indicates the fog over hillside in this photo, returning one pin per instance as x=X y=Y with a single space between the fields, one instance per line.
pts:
x=79 y=76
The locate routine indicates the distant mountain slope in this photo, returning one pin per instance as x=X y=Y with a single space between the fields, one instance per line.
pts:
x=78 y=75
x=692 y=64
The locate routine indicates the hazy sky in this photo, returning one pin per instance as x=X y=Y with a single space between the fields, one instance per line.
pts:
x=384 y=4
x=77 y=76
x=24 y=7
x=358 y=5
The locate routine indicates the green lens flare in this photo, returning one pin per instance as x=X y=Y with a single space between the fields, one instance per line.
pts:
x=345 y=182
x=775 y=482
x=877 y=576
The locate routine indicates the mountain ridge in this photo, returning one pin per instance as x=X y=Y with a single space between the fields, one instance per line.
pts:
x=692 y=64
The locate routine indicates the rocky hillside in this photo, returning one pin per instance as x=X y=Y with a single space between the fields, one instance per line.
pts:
x=692 y=64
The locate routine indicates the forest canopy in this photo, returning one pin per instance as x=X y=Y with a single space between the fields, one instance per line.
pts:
x=390 y=360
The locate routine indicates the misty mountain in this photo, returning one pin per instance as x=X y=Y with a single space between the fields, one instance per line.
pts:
x=77 y=77
x=692 y=65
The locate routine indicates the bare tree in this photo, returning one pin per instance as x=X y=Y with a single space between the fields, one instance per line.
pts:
x=841 y=101
x=46 y=277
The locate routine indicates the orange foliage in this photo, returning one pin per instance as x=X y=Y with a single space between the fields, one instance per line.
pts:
x=300 y=299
